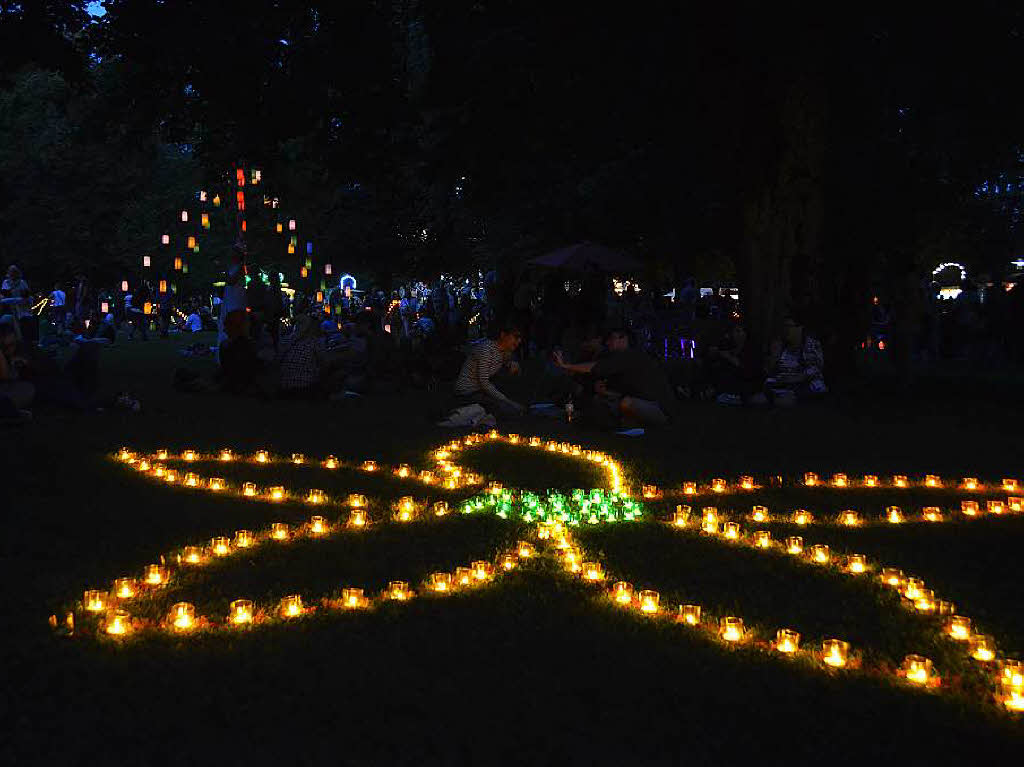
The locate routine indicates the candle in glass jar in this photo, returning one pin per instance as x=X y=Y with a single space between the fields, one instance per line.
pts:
x=276 y=493
x=398 y=591
x=810 y=479
x=331 y=462
x=835 y=653
x=357 y=518
x=681 y=515
x=820 y=554
x=317 y=525
x=622 y=592
x=188 y=455
x=352 y=598
x=958 y=627
x=124 y=588
x=226 y=455
x=159 y=470
x=718 y=485
x=243 y=539
x=441 y=582
x=249 y=489
x=689 y=488
x=913 y=587
x=291 y=606
x=192 y=555
x=995 y=507
x=298 y=458
x=970 y=483
x=759 y=514
x=746 y=482
x=369 y=466
x=787 y=641
x=95 y=601
x=1014 y=503
x=731 y=629
x=649 y=601
x=802 y=517
x=917 y=669
x=892 y=577
x=709 y=520
x=1010 y=485
x=154 y=575
x=118 y=623
x=279 y=531
x=183 y=616
x=689 y=614
x=856 y=563
x=142 y=465
x=731 y=531
x=262 y=456
x=849 y=518
x=508 y=562
x=893 y=515
x=969 y=508
x=216 y=484
x=650 y=491
x=481 y=570
x=170 y=476
x=932 y=480
x=762 y=539
x=316 y=497
x=241 y=611
x=192 y=480
x=839 y=480
x=932 y=514
x=403 y=470
x=900 y=480
x=525 y=549
x=795 y=545
x=220 y=546
x=592 y=571
x=870 y=480
x=161 y=454
x=983 y=648
x=463 y=576
x=925 y=601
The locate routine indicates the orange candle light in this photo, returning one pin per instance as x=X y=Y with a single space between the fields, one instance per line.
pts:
x=217 y=484
x=241 y=612
x=1015 y=503
x=835 y=653
x=893 y=515
x=689 y=614
x=810 y=479
x=892 y=577
x=592 y=571
x=762 y=539
x=154 y=575
x=802 y=517
x=681 y=515
x=352 y=598
x=849 y=518
x=316 y=497
x=838 y=480
x=970 y=483
x=759 y=514
x=622 y=593
x=795 y=545
x=649 y=601
x=870 y=480
x=995 y=507
x=220 y=546
x=932 y=514
x=398 y=591
x=369 y=466
x=95 y=601
x=279 y=531
x=244 y=539
x=118 y=623
x=983 y=648
x=1010 y=485
x=357 y=518
x=441 y=582
x=958 y=627
x=291 y=606
x=262 y=456
x=709 y=520
x=318 y=526
x=787 y=641
x=932 y=480
x=192 y=555
x=276 y=493
x=820 y=554
x=183 y=616
x=730 y=629
x=689 y=488
x=747 y=483
x=969 y=508
x=856 y=564
x=481 y=570
x=331 y=462
x=917 y=669
x=900 y=480
x=249 y=489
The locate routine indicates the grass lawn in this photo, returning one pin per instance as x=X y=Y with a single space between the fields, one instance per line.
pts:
x=536 y=668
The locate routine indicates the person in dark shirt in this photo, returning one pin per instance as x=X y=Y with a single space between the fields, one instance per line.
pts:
x=240 y=369
x=630 y=379
x=735 y=369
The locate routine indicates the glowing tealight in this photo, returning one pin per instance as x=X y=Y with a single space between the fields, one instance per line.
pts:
x=118 y=623
x=481 y=570
x=592 y=571
x=262 y=456
x=316 y=497
x=220 y=546
x=649 y=601
x=244 y=539
x=810 y=479
x=820 y=554
x=932 y=480
x=983 y=648
x=730 y=629
x=241 y=611
x=802 y=517
x=170 y=476
x=912 y=588
x=731 y=531
x=856 y=564
x=403 y=470
x=1012 y=675
x=217 y=484
x=161 y=454
x=925 y=601
x=291 y=606
x=124 y=454
x=893 y=515
x=428 y=477
x=352 y=598
x=622 y=592
x=835 y=653
x=159 y=470
x=795 y=545
x=357 y=518
x=870 y=480
x=762 y=539
x=298 y=458
x=317 y=525
x=838 y=480
x=1010 y=485
x=398 y=591
x=441 y=582
x=650 y=491
x=142 y=465
x=95 y=601
x=124 y=588
x=183 y=616
x=331 y=462
x=369 y=466
x=689 y=614
x=681 y=515
x=513 y=438
x=192 y=480
x=525 y=549
x=958 y=627
x=850 y=518
x=759 y=514
x=931 y=514
x=787 y=641
x=917 y=669
x=709 y=520
x=279 y=531
x=995 y=507
x=970 y=483
x=188 y=455
x=969 y=508
x=747 y=483
x=154 y=575
x=891 y=577
x=689 y=488
x=1015 y=503
x=249 y=489
x=463 y=576
x=440 y=508
x=508 y=562
x=226 y=455
x=192 y=555
x=900 y=480
x=276 y=493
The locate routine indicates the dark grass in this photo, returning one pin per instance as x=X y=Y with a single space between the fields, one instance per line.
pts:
x=535 y=669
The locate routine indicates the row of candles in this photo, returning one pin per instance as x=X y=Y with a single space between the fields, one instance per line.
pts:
x=839 y=481
x=894 y=515
x=914 y=595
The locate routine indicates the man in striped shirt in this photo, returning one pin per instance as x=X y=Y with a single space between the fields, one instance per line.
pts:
x=485 y=359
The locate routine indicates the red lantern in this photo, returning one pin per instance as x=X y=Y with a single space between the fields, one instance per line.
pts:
x=240 y=176
x=240 y=199
x=304 y=272
x=177 y=264
x=243 y=224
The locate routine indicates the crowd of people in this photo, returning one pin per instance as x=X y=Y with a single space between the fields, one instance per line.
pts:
x=596 y=349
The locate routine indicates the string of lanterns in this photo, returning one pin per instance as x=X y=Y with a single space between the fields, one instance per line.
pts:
x=553 y=515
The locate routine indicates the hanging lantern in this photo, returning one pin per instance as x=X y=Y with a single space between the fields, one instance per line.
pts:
x=240 y=199
x=240 y=176
x=291 y=249
x=145 y=261
x=177 y=264
x=202 y=195
x=124 y=286
x=304 y=272
x=244 y=227
x=165 y=239
x=327 y=269
x=163 y=286
x=191 y=242
x=184 y=216
x=216 y=201
x=309 y=248
x=319 y=296
x=291 y=225
x=104 y=307
x=147 y=308
x=184 y=268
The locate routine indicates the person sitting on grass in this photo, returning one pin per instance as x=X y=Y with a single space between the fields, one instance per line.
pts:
x=302 y=361
x=16 y=395
x=794 y=367
x=735 y=369
x=485 y=360
x=241 y=369
x=628 y=381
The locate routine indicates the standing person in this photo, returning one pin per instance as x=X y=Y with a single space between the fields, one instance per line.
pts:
x=234 y=290
x=15 y=296
x=58 y=299
x=134 y=316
